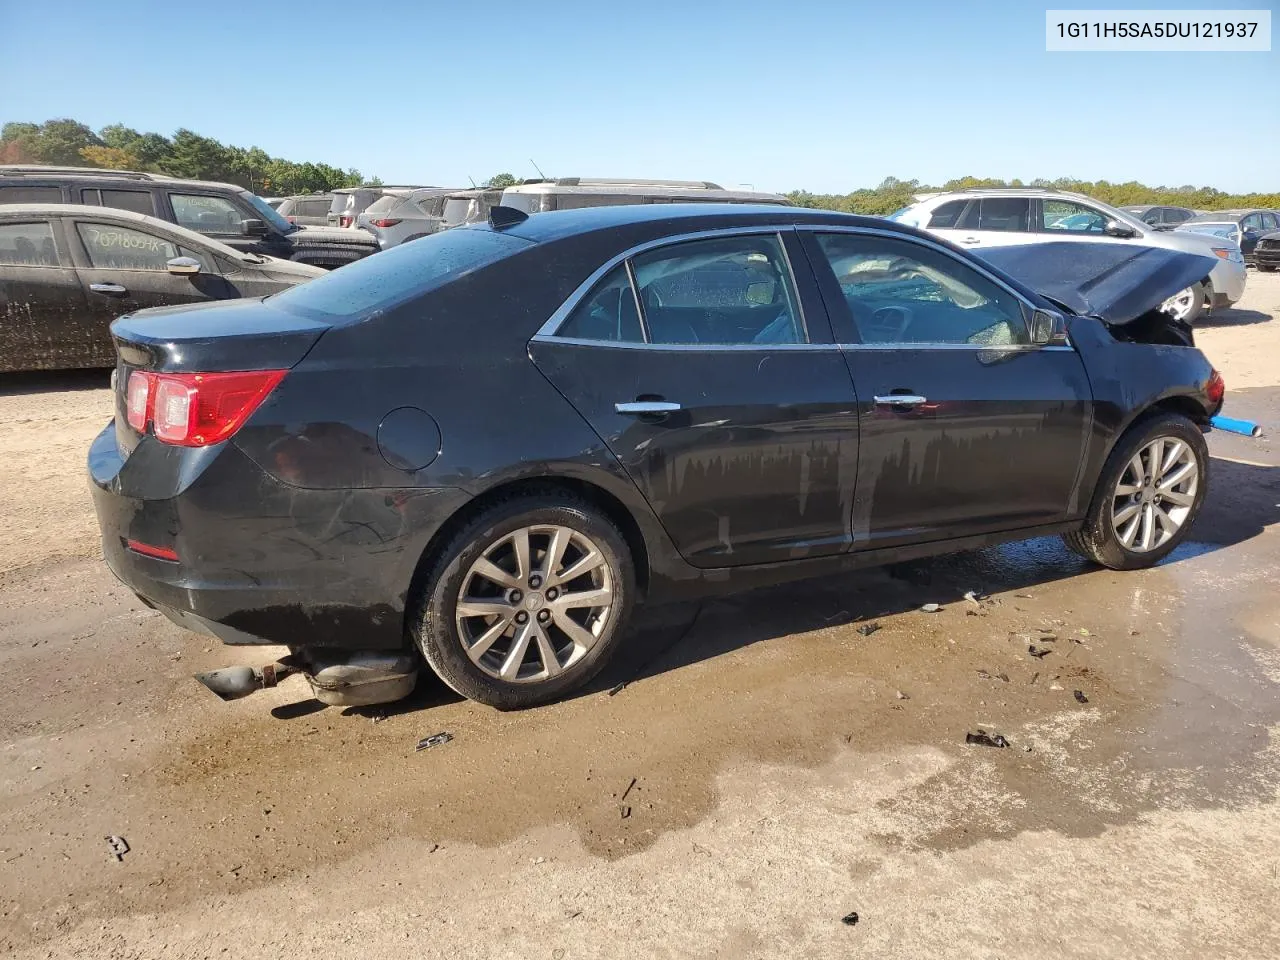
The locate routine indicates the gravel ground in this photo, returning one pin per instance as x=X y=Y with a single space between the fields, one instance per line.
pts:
x=787 y=769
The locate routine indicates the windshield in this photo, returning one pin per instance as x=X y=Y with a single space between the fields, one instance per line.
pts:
x=1227 y=231
x=269 y=215
x=383 y=281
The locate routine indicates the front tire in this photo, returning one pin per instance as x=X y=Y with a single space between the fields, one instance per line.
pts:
x=528 y=601
x=1148 y=495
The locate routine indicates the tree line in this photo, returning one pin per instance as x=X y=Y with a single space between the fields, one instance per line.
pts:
x=187 y=154
x=893 y=194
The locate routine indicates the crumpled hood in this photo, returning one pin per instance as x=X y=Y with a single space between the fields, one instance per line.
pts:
x=1115 y=282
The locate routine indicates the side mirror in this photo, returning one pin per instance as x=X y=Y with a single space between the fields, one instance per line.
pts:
x=183 y=266
x=1115 y=228
x=1048 y=329
x=253 y=228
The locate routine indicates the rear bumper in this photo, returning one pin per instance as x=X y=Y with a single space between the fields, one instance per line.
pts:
x=259 y=561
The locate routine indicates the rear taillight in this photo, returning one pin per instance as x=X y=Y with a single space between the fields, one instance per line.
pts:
x=384 y=223
x=292 y=219
x=1215 y=388
x=196 y=409
x=138 y=399
x=344 y=221
x=151 y=550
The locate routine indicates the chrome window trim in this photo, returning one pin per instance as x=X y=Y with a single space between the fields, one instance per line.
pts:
x=548 y=330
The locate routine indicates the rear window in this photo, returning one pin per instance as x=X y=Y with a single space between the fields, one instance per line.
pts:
x=382 y=204
x=946 y=215
x=528 y=202
x=456 y=210
x=341 y=201
x=432 y=206
x=380 y=282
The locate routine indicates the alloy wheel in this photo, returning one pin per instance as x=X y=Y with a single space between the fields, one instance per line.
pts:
x=1155 y=493
x=534 y=603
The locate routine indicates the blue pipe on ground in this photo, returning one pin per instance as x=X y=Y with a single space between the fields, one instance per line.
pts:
x=1245 y=427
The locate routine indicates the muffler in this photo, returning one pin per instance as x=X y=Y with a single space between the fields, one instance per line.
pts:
x=232 y=683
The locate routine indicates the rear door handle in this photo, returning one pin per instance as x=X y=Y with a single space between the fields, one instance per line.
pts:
x=110 y=289
x=640 y=408
x=901 y=400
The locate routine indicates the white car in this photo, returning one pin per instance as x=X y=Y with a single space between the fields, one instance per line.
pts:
x=1009 y=217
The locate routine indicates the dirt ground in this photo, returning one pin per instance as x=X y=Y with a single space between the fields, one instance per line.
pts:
x=768 y=770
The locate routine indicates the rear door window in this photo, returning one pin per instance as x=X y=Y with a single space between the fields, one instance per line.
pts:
x=608 y=314
x=730 y=290
x=1007 y=214
x=139 y=201
x=28 y=245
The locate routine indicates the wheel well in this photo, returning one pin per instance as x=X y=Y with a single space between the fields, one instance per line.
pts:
x=604 y=501
x=1185 y=406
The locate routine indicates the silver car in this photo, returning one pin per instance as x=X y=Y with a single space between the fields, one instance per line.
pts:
x=401 y=216
x=470 y=206
x=307 y=210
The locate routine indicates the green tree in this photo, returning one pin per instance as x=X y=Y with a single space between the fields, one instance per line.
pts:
x=112 y=158
x=502 y=180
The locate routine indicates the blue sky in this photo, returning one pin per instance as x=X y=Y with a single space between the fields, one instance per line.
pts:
x=825 y=96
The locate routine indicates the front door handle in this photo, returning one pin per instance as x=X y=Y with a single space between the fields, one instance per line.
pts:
x=901 y=400
x=110 y=289
x=642 y=408
x=968 y=240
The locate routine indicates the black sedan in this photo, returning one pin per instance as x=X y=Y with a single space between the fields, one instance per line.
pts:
x=67 y=271
x=1245 y=228
x=486 y=446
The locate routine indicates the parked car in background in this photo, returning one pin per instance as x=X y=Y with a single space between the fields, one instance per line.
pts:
x=573 y=193
x=1160 y=217
x=67 y=271
x=223 y=211
x=1266 y=255
x=349 y=202
x=357 y=494
x=399 y=217
x=274 y=202
x=307 y=210
x=470 y=206
x=1008 y=216
x=1242 y=227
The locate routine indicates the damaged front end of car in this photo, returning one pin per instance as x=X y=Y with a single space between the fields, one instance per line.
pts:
x=1133 y=291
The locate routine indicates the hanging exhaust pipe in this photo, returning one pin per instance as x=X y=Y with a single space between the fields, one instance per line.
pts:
x=232 y=683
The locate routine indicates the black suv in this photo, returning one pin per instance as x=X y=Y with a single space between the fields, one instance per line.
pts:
x=222 y=211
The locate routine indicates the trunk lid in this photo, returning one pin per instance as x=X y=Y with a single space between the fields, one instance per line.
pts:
x=214 y=337
x=1116 y=283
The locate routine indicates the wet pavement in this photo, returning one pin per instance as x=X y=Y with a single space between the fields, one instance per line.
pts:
x=770 y=765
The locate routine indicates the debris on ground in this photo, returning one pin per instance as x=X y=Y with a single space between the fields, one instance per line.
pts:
x=1026 y=748
x=867 y=629
x=931 y=607
x=617 y=689
x=1080 y=697
x=118 y=847
x=974 y=597
x=1024 y=596
x=1038 y=652
x=987 y=675
x=1055 y=686
x=984 y=739
x=630 y=787
x=626 y=811
x=1034 y=677
x=434 y=740
x=901 y=696
x=849 y=919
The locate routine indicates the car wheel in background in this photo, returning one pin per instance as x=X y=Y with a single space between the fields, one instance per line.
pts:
x=1187 y=305
x=528 y=601
x=1148 y=495
x=1266 y=267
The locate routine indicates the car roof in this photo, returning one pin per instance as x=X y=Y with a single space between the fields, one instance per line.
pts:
x=10 y=211
x=28 y=174
x=1222 y=215
x=709 y=216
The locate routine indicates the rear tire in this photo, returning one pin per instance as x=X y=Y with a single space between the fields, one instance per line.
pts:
x=1266 y=267
x=1122 y=498
x=505 y=622
x=1191 y=304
